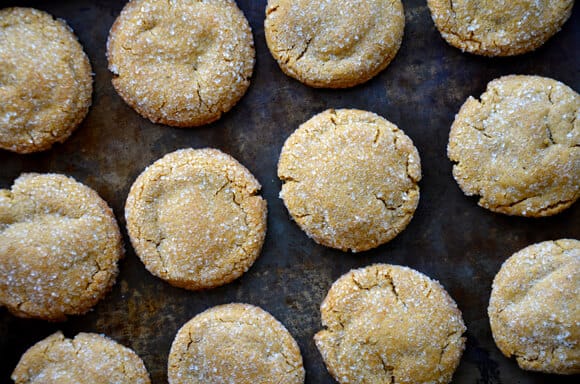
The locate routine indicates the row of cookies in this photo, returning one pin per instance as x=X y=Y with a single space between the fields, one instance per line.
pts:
x=174 y=65
x=350 y=181
x=382 y=323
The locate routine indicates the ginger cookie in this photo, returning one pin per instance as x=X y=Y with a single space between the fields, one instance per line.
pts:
x=499 y=28
x=390 y=324
x=518 y=148
x=234 y=343
x=336 y=43
x=195 y=218
x=45 y=80
x=88 y=358
x=534 y=310
x=350 y=179
x=181 y=63
x=59 y=247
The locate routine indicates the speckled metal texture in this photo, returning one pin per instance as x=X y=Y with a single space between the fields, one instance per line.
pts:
x=450 y=238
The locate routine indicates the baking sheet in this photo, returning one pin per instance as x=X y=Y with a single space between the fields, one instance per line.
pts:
x=450 y=238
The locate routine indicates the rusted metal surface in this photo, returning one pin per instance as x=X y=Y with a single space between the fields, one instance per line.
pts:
x=450 y=238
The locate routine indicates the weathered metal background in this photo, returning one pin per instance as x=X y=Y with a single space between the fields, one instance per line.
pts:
x=450 y=238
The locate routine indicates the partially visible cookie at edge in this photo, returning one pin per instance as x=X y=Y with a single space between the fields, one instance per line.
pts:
x=181 y=63
x=390 y=324
x=334 y=44
x=534 y=309
x=45 y=80
x=234 y=343
x=518 y=147
x=59 y=247
x=195 y=218
x=350 y=179
x=499 y=28
x=88 y=358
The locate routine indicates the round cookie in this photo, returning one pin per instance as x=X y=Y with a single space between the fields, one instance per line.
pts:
x=234 y=343
x=88 y=358
x=181 y=63
x=45 y=80
x=499 y=28
x=59 y=247
x=390 y=324
x=518 y=148
x=334 y=43
x=195 y=218
x=534 y=310
x=350 y=179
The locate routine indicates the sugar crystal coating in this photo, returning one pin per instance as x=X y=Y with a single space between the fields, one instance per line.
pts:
x=234 y=344
x=499 y=27
x=334 y=43
x=59 y=247
x=350 y=179
x=181 y=62
x=518 y=148
x=390 y=324
x=195 y=218
x=45 y=80
x=534 y=309
x=88 y=358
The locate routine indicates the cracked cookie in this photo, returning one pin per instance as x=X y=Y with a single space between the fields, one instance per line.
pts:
x=518 y=148
x=336 y=43
x=390 y=324
x=499 y=28
x=45 y=80
x=59 y=247
x=234 y=343
x=350 y=179
x=534 y=308
x=181 y=63
x=195 y=218
x=88 y=358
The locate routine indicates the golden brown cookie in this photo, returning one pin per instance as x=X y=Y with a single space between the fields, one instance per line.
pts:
x=88 y=358
x=181 y=63
x=334 y=43
x=195 y=218
x=499 y=28
x=45 y=80
x=534 y=309
x=234 y=343
x=59 y=247
x=390 y=324
x=518 y=148
x=350 y=179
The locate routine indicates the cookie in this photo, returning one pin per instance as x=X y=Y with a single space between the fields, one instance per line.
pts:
x=334 y=43
x=350 y=179
x=181 y=63
x=534 y=310
x=45 y=80
x=195 y=218
x=499 y=28
x=517 y=148
x=234 y=343
x=88 y=358
x=390 y=324
x=59 y=247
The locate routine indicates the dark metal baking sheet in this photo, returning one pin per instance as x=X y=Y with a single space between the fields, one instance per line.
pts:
x=450 y=238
